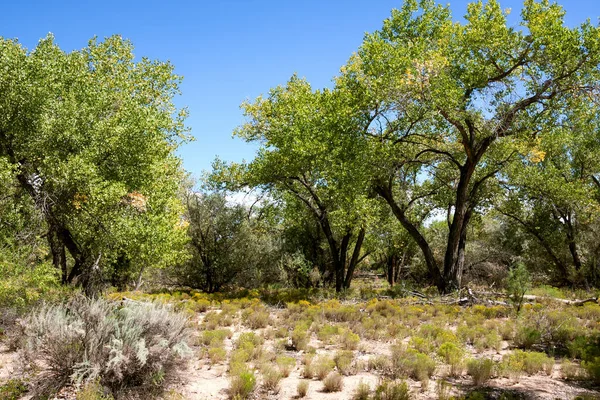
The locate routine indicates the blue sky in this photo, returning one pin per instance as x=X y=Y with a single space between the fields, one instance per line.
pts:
x=228 y=50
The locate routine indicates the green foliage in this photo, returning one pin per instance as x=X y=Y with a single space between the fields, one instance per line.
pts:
x=13 y=389
x=302 y=388
x=454 y=356
x=90 y=138
x=519 y=282
x=411 y=363
x=362 y=391
x=343 y=361
x=228 y=246
x=592 y=367
x=387 y=390
x=242 y=384
x=480 y=370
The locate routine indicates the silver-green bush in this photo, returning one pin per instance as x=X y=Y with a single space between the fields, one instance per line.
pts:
x=121 y=345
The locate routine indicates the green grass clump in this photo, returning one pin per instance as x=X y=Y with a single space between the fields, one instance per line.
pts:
x=526 y=337
x=343 y=361
x=13 y=389
x=300 y=336
x=411 y=363
x=242 y=383
x=571 y=371
x=592 y=367
x=322 y=366
x=530 y=362
x=362 y=391
x=271 y=379
x=217 y=355
x=453 y=355
x=388 y=390
x=214 y=337
x=302 y=388
x=333 y=382
x=480 y=370
x=285 y=364
x=349 y=340
x=327 y=332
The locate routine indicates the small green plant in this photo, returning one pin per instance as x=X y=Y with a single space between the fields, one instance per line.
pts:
x=217 y=355
x=480 y=370
x=527 y=337
x=302 y=388
x=362 y=391
x=322 y=366
x=592 y=367
x=518 y=283
x=570 y=370
x=300 y=336
x=333 y=382
x=271 y=379
x=349 y=340
x=242 y=384
x=343 y=361
x=13 y=389
x=285 y=364
x=411 y=363
x=453 y=355
x=388 y=390
x=93 y=391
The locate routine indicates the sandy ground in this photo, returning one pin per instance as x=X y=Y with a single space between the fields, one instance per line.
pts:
x=200 y=380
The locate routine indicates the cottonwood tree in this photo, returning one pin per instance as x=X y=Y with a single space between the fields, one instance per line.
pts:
x=304 y=154
x=552 y=194
x=445 y=102
x=91 y=137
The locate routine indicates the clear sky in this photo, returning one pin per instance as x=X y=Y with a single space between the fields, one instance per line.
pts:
x=227 y=50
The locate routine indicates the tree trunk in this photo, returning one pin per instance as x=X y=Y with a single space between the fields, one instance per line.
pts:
x=391 y=269
x=354 y=260
x=413 y=231
x=454 y=257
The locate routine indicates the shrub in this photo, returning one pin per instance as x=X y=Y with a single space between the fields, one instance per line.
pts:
x=411 y=363
x=256 y=319
x=527 y=337
x=387 y=390
x=308 y=371
x=535 y=362
x=251 y=343
x=242 y=384
x=379 y=363
x=453 y=356
x=299 y=336
x=519 y=282
x=95 y=340
x=286 y=364
x=349 y=340
x=570 y=370
x=327 y=332
x=343 y=361
x=217 y=354
x=214 y=338
x=592 y=368
x=302 y=388
x=333 y=382
x=271 y=379
x=480 y=370
x=362 y=391
x=13 y=389
x=322 y=366
x=93 y=391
